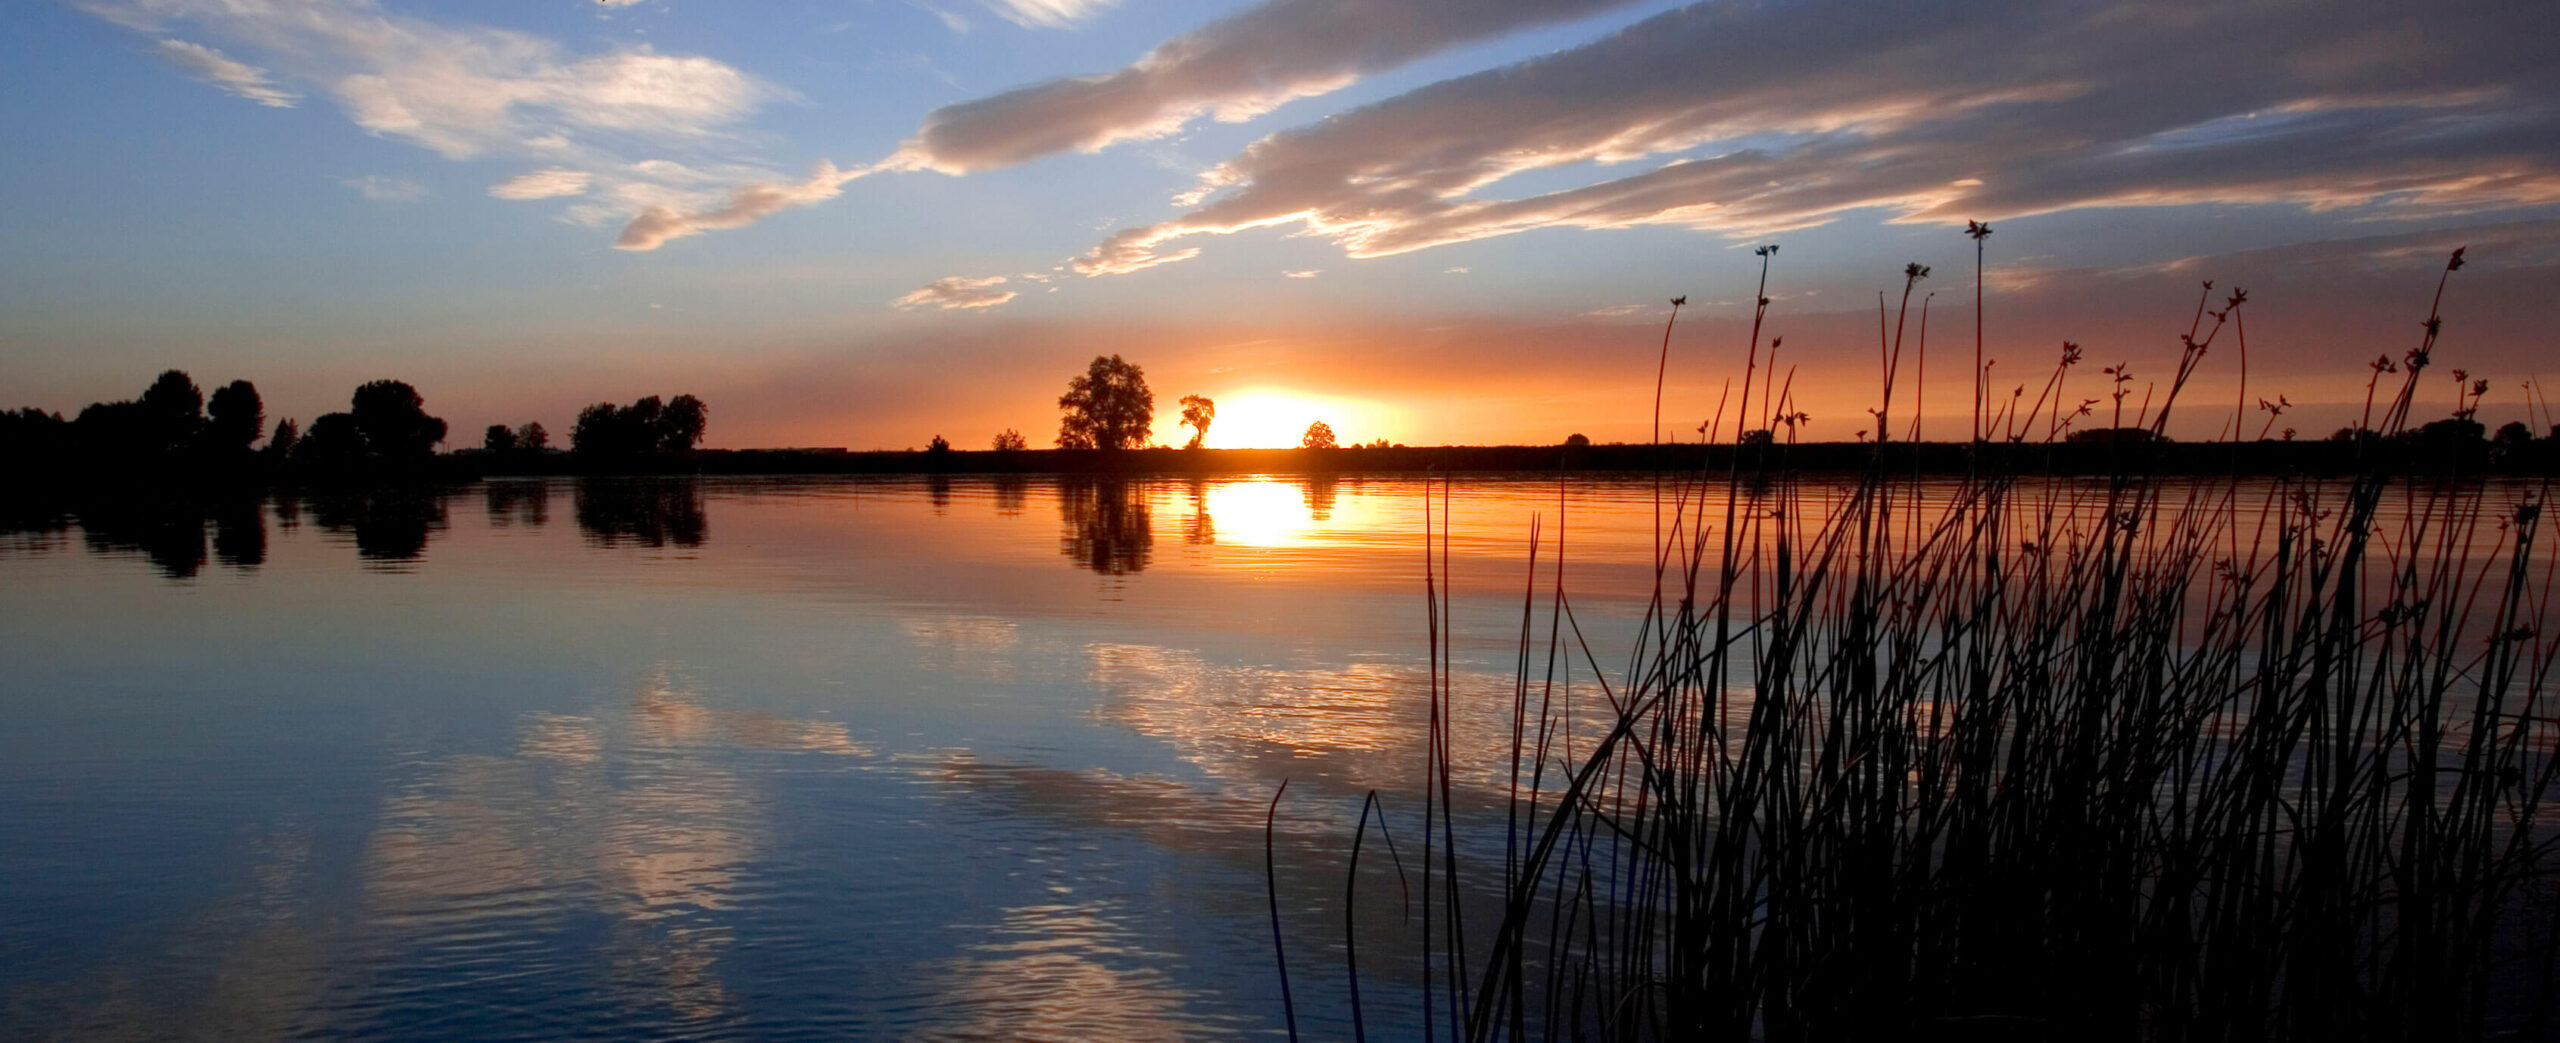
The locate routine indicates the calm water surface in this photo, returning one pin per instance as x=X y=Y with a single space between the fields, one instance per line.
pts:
x=745 y=759
x=760 y=759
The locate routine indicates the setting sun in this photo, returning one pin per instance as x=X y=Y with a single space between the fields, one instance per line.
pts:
x=1271 y=418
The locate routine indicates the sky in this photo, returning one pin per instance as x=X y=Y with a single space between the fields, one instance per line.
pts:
x=865 y=223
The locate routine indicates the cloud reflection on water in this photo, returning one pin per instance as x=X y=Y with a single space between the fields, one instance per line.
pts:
x=631 y=815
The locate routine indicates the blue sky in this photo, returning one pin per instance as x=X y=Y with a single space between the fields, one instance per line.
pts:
x=1430 y=220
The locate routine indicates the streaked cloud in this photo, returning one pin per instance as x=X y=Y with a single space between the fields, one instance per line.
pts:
x=1046 y=14
x=1235 y=68
x=543 y=184
x=218 y=69
x=1767 y=117
x=1303 y=273
x=382 y=189
x=745 y=206
x=959 y=292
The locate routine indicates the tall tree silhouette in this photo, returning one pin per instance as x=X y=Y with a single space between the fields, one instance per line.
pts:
x=173 y=409
x=1108 y=407
x=235 y=417
x=1319 y=436
x=393 y=419
x=1197 y=412
x=644 y=428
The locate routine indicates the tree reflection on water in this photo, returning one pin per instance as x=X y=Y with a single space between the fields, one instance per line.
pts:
x=1109 y=528
x=391 y=523
x=648 y=512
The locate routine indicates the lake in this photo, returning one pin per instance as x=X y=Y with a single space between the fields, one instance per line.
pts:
x=768 y=759
x=729 y=759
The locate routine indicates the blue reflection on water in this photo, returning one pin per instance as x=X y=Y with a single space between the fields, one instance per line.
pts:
x=652 y=759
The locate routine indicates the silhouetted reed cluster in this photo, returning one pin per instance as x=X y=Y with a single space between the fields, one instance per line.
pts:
x=1974 y=757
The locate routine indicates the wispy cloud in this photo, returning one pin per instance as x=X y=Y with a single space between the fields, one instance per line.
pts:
x=1766 y=117
x=1046 y=14
x=959 y=292
x=543 y=184
x=745 y=206
x=218 y=69
x=1235 y=68
x=1303 y=273
x=465 y=92
x=382 y=189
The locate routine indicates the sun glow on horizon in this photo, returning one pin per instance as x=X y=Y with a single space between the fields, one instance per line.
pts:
x=1277 y=418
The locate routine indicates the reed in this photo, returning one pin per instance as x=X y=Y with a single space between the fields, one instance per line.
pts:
x=1981 y=757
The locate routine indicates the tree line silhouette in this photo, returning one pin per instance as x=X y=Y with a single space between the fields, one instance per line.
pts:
x=174 y=432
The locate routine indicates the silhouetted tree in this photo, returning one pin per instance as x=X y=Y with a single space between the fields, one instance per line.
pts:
x=938 y=445
x=174 y=409
x=121 y=431
x=1109 y=407
x=499 y=438
x=31 y=435
x=235 y=417
x=681 y=426
x=531 y=438
x=2461 y=431
x=2101 y=435
x=281 y=443
x=1319 y=436
x=1577 y=440
x=1197 y=412
x=1010 y=441
x=2513 y=438
x=643 y=428
x=333 y=438
x=392 y=418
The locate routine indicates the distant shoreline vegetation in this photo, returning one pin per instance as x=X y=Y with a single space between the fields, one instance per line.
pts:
x=172 y=435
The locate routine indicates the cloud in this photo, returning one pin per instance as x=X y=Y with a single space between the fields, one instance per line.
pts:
x=468 y=92
x=959 y=292
x=543 y=184
x=1046 y=14
x=745 y=206
x=1623 y=311
x=463 y=90
x=218 y=69
x=1303 y=273
x=382 y=189
x=1235 y=68
x=1762 y=118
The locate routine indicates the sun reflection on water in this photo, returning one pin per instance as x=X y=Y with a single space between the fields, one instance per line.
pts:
x=1261 y=513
